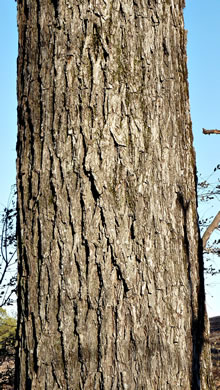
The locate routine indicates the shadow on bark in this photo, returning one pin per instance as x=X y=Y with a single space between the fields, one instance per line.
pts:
x=198 y=321
x=198 y=324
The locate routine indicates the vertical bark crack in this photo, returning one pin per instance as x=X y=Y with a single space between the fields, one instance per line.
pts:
x=35 y=340
x=60 y=330
x=118 y=271
x=56 y=7
x=80 y=350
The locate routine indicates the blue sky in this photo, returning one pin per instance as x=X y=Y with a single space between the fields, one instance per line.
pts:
x=202 y=22
x=203 y=50
x=8 y=121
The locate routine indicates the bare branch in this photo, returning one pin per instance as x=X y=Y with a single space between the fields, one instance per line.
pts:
x=215 y=131
x=214 y=225
x=213 y=251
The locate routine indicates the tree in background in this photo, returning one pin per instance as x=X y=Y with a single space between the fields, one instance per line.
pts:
x=111 y=289
x=8 y=252
x=208 y=194
x=7 y=349
x=7 y=331
x=8 y=284
x=212 y=224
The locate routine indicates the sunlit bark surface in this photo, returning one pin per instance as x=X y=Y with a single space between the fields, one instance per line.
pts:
x=111 y=291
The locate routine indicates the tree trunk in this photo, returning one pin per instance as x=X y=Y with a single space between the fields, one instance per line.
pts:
x=111 y=292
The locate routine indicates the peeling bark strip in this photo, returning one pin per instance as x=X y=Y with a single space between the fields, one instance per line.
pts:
x=110 y=292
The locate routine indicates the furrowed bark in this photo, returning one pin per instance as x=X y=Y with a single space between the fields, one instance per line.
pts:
x=111 y=290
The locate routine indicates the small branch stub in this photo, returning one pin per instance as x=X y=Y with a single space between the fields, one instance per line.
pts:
x=214 y=131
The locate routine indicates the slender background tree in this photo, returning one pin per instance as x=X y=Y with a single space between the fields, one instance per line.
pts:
x=208 y=197
x=8 y=252
x=207 y=192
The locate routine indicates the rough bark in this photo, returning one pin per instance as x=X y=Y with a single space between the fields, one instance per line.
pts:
x=111 y=292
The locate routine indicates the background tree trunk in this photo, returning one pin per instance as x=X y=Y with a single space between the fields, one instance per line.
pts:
x=213 y=225
x=111 y=292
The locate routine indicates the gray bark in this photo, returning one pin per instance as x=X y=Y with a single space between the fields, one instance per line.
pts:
x=111 y=292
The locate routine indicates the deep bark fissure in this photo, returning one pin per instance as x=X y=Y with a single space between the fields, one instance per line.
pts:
x=56 y=7
x=87 y=255
x=80 y=352
x=196 y=352
x=79 y=275
x=60 y=326
x=35 y=343
x=118 y=269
